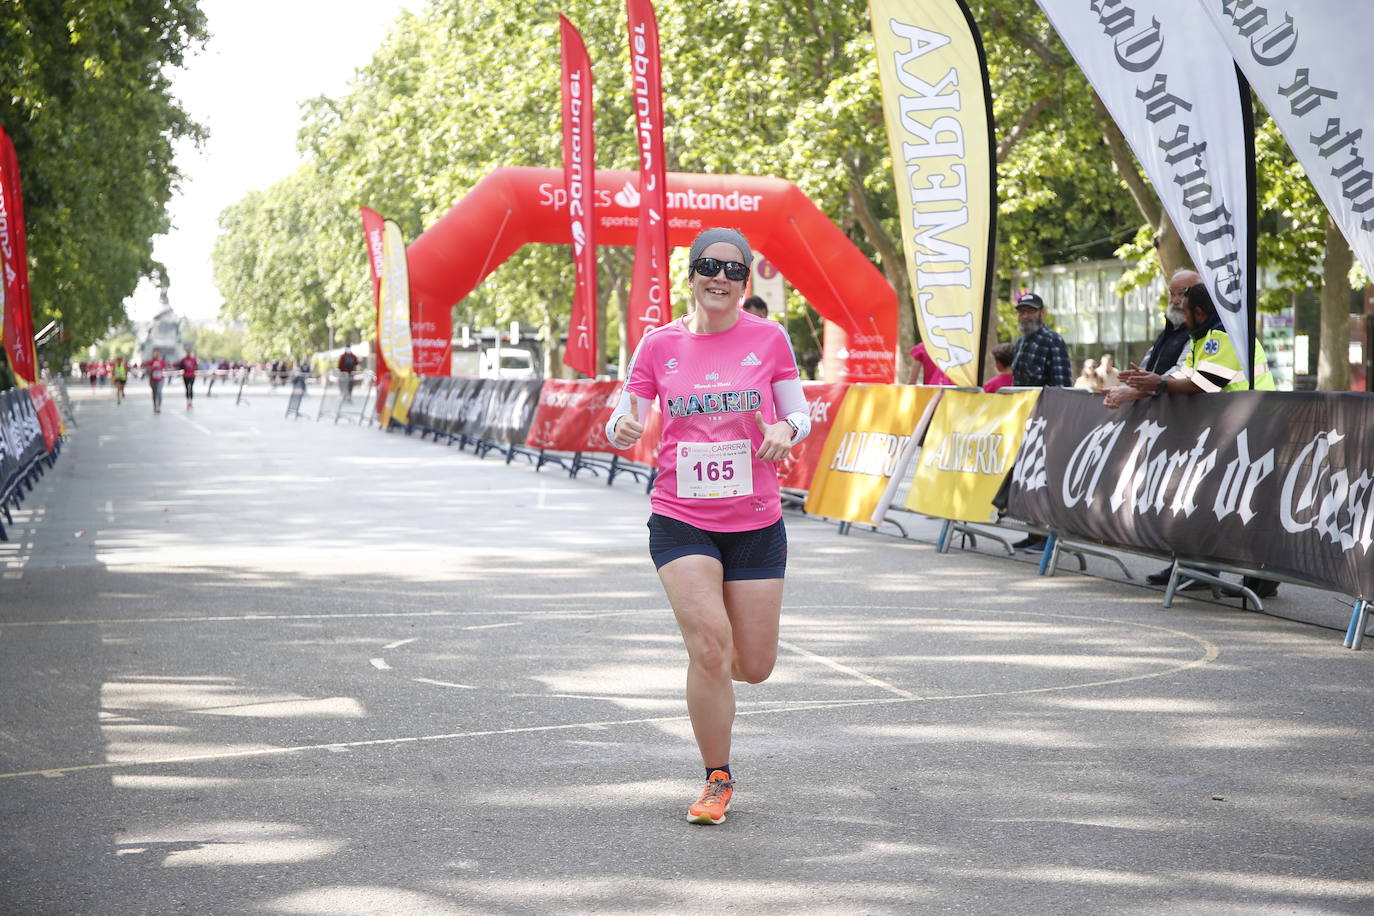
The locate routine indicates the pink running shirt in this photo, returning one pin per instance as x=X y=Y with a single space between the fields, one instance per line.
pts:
x=708 y=387
x=932 y=374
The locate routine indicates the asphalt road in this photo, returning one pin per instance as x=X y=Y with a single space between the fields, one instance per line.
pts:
x=269 y=666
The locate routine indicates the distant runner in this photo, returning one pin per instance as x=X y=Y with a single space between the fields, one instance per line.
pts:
x=188 y=376
x=119 y=375
x=157 y=372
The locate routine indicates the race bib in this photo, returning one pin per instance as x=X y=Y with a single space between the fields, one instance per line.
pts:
x=711 y=470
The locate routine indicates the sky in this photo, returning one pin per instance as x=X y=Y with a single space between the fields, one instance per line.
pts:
x=262 y=61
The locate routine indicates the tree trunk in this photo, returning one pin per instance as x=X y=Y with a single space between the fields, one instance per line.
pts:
x=990 y=326
x=1168 y=243
x=1333 y=360
x=893 y=262
x=1169 y=246
x=549 y=333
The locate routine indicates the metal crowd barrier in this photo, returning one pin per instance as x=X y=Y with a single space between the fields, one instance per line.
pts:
x=574 y=463
x=333 y=380
x=22 y=482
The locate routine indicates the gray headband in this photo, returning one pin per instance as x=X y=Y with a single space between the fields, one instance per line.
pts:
x=710 y=236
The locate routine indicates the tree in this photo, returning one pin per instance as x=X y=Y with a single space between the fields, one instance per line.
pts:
x=773 y=87
x=86 y=98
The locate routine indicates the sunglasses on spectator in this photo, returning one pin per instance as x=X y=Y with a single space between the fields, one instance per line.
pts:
x=709 y=267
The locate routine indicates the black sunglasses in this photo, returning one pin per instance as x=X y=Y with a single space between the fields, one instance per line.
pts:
x=709 y=267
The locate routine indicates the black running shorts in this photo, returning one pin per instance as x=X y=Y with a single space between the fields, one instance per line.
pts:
x=759 y=554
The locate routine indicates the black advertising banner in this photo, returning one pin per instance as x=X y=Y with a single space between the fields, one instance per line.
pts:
x=496 y=410
x=477 y=404
x=510 y=412
x=21 y=435
x=1275 y=481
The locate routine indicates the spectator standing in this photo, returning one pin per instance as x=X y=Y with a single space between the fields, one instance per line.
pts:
x=1107 y=374
x=1088 y=378
x=1042 y=356
x=1041 y=361
x=348 y=364
x=755 y=305
x=1169 y=352
x=1001 y=357
x=1211 y=365
x=924 y=371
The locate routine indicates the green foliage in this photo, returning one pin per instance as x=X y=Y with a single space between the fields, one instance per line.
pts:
x=85 y=96
x=772 y=87
x=117 y=346
x=215 y=343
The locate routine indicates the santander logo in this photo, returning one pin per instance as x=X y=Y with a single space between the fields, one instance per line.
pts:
x=627 y=196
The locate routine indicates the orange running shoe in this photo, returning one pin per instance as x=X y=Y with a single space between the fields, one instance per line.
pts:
x=714 y=801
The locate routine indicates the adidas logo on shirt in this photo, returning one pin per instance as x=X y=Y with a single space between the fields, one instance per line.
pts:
x=751 y=360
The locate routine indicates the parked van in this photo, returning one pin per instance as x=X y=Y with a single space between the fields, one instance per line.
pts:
x=514 y=363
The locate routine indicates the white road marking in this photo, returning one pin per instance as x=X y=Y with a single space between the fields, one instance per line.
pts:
x=400 y=642
x=425 y=680
x=845 y=669
x=221 y=618
x=380 y=664
x=493 y=626
x=1210 y=654
x=196 y=425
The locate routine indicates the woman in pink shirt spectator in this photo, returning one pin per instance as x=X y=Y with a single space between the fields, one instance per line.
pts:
x=924 y=371
x=727 y=385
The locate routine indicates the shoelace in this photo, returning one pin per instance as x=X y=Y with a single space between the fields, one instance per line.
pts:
x=716 y=788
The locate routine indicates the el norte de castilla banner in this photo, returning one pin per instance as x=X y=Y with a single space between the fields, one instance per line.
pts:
x=1173 y=89
x=1280 y=481
x=1308 y=61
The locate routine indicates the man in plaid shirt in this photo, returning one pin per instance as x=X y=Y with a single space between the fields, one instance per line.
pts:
x=1041 y=361
x=1042 y=357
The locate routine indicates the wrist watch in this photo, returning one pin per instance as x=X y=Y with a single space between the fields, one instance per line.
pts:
x=1162 y=387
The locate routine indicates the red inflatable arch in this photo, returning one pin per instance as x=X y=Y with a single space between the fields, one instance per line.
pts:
x=513 y=206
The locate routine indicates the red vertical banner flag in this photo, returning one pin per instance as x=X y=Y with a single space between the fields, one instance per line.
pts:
x=14 y=269
x=373 y=226
x=579 y=170
x=649 y=301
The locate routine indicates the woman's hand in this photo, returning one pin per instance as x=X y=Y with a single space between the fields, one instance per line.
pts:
x=628 y=429
x=777 y=439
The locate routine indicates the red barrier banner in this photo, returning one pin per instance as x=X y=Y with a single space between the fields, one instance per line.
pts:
x=649 y=300
x=572 y=415
x=579 y=163
x=823 y=398
x=49 y=420
x=14 y=265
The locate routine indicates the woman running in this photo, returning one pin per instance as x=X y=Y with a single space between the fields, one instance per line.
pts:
x=727 y=385
x=120 y=375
